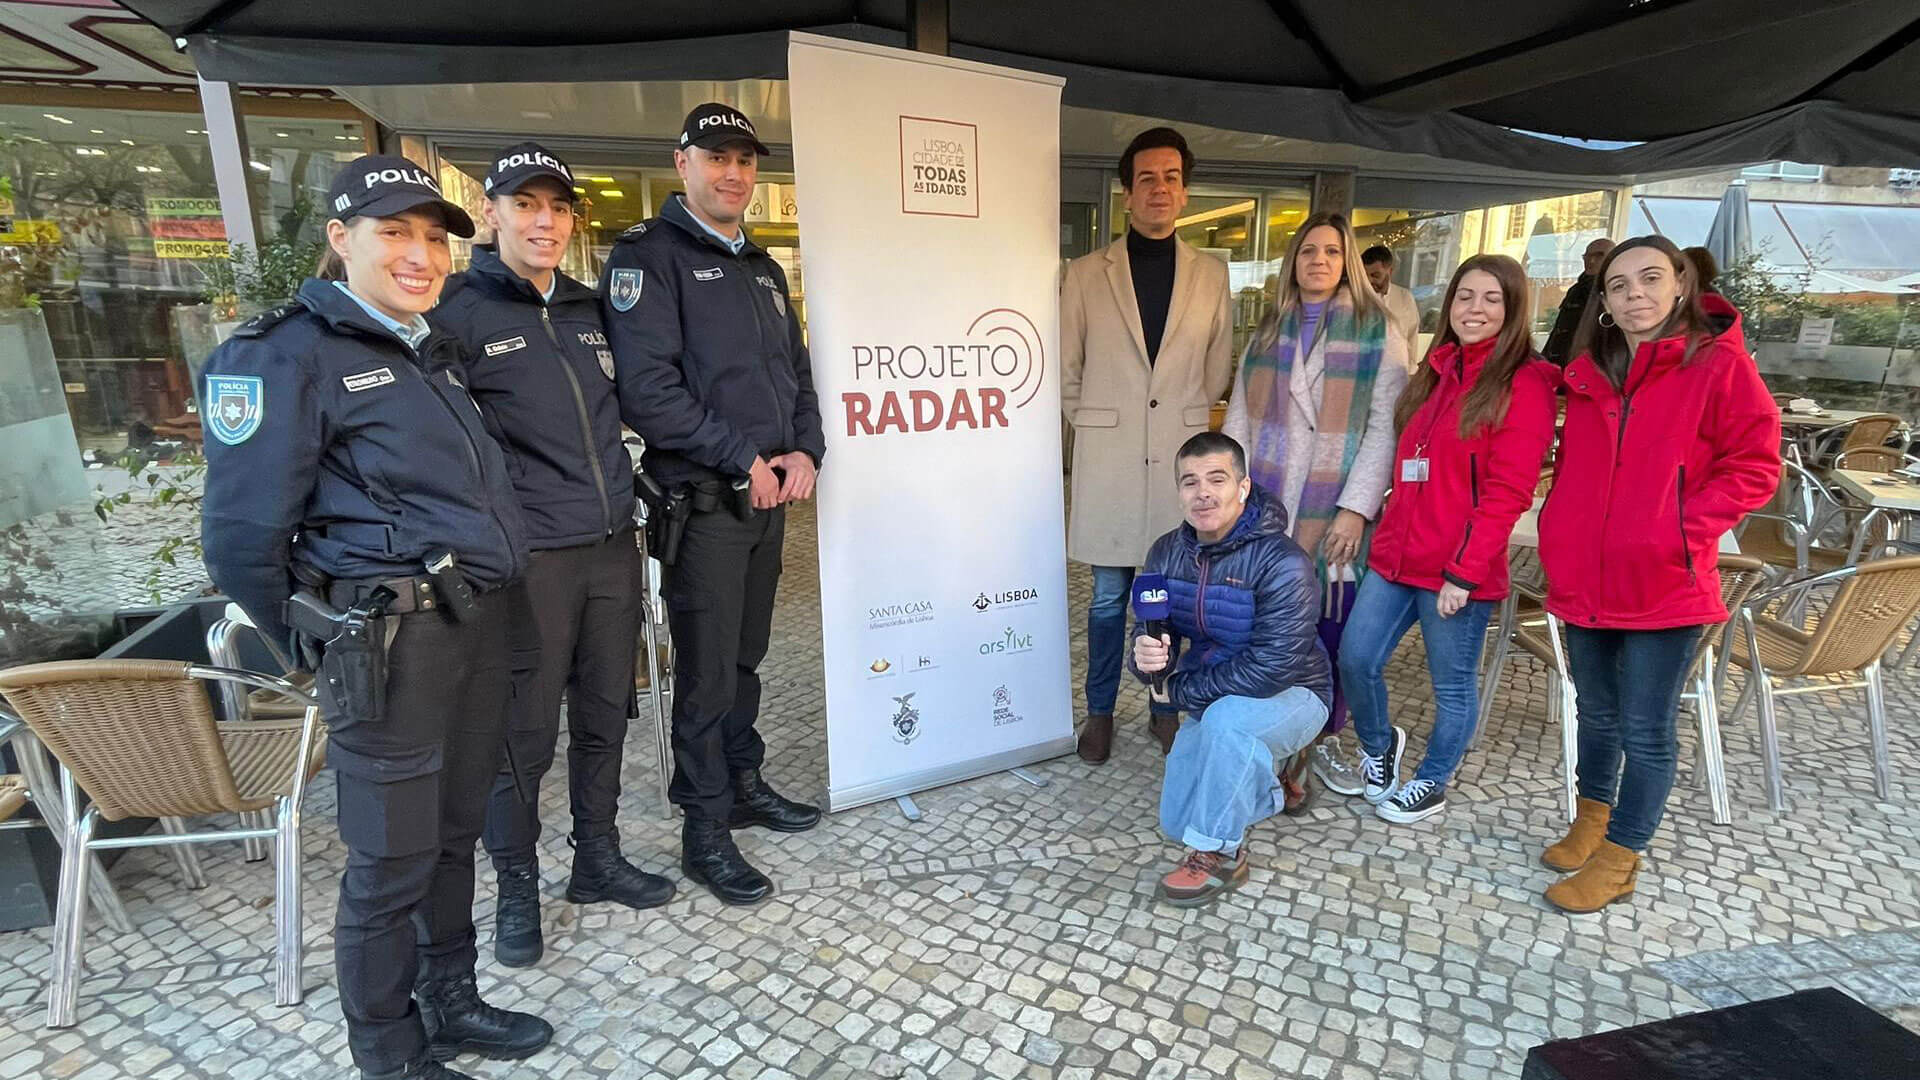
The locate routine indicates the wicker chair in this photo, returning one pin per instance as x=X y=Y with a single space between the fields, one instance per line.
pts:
x=1882 y=459
x=1860 y=433
x=139 y=736
x=1540 y=638
x=1874 y=602
x=35 y=785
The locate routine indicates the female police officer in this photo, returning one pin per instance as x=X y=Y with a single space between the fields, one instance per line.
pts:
x=346 y=461
x=537 y=361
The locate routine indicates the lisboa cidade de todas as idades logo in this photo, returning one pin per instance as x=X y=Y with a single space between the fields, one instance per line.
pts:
x=968 y=383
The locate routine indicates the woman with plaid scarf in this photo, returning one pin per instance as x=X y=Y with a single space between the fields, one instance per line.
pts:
x=1313 y=405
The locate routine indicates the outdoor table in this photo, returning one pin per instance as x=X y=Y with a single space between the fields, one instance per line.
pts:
x=1825 y=418
x=1894 y=496
x=1798 y=428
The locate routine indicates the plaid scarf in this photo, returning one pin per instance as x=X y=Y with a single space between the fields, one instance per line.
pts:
x=1352 y=351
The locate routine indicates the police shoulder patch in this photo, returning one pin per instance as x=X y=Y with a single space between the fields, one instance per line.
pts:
x=623 y=287
x=634 y=232
x=265 y=321
x=235 y=406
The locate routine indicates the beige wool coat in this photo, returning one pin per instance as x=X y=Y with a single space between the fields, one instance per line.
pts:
x=1130 y=417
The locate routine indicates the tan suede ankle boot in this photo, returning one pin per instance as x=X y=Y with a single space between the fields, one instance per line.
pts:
x=1607 y=877
x=1588 y=830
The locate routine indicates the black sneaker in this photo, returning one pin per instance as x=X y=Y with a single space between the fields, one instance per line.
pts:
x=1381 y=775
x=1417 y=801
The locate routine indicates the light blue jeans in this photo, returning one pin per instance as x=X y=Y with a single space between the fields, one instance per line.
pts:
x=1382 y=615
x=1222 y=773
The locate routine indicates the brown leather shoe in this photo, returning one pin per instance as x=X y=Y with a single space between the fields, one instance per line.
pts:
x=1296 y=779
x=1096 y=739
x=1608 y=876
x=1163 y=727
x=1583 y=837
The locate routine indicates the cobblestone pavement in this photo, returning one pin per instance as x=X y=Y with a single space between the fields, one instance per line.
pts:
x=96 y=567
x=1012 y=932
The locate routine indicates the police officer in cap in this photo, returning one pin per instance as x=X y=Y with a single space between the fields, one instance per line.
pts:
x=347 y=464
x=714 y=376
x=538 y=363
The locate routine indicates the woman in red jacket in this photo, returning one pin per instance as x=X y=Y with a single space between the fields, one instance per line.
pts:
x=1473 y=424
x=1671 y=438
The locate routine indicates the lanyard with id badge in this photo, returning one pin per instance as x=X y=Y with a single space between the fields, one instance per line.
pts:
x=1415 y=470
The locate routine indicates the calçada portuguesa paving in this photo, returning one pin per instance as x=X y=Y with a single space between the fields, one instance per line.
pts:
x=1012 y=933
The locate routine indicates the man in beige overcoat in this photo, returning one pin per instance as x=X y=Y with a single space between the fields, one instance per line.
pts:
x=1146 y=344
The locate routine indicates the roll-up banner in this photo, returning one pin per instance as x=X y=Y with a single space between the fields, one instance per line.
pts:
x=929 y=200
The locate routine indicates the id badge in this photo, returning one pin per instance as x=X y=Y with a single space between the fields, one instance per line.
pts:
x=1413 y=470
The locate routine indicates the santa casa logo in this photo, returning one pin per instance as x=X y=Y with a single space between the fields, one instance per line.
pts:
x=968 y=382
x=899 y=613
x=1009 y=641
x=1004 y=598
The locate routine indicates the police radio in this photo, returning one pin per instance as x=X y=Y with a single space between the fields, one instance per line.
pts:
x=1150 y=607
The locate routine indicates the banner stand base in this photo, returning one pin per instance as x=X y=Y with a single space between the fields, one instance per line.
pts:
x=1029 y=776
x=894 y=787
x=908 y=808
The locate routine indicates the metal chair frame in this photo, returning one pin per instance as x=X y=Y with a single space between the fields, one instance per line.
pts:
x=655 y=630
x=1760 y=683
x=76 y=863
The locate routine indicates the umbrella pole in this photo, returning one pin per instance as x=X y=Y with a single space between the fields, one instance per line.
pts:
x=1900 y=331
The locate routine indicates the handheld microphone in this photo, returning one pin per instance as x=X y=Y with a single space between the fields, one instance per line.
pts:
x=1150 y=607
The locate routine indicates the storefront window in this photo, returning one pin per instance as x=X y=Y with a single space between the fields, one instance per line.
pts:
x=119 y=209
x=610 y=199
x=1547 y=236
x=1248 y=230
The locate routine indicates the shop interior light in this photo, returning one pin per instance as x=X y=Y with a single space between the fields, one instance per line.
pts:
x=259 y=166
x=56 y=118
x=595 y=224
x=613 y=193
x=598 y=179
x=128 y=142
x=95 y=131
x=279 y=134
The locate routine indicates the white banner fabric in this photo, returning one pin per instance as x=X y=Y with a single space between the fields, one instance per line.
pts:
x=929 y=204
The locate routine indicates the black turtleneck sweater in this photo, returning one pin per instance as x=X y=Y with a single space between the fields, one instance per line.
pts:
x=1152 y=265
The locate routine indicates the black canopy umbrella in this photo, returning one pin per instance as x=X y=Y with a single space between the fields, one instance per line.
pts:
x=1711 y=81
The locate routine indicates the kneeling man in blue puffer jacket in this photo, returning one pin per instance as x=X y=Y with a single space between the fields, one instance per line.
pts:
x=1252 y=678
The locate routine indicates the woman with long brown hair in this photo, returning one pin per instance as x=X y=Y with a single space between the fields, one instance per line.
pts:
x=1474 y=423
x=1313 y=406
x=1670 y=439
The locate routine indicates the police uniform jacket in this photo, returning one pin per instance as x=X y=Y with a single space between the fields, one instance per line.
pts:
x=543 y=374
x=708 y=357
x=334 y=445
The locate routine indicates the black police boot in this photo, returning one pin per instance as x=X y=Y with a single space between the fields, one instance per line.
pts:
x=458 y=1022
x=516 y=918
x=707 y=855
x=424 y=1069
x=600 y=873
x=754 y=803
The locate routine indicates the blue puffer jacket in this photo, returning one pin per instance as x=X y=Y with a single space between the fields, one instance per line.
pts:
x=1245 y=611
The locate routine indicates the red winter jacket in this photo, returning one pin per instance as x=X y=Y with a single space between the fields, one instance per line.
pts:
x=1455 y=526
x=1649 y=480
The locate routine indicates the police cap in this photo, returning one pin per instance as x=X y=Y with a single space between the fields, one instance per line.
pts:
x=521 y=164
x=380 y=185
x=713 y=125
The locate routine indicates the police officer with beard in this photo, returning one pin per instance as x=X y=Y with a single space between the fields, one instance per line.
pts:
x=538 y=363
x=713 y=374
x=352 y=486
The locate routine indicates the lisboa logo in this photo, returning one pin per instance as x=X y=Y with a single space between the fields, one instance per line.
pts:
x=906 y=720
x=999 y=363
